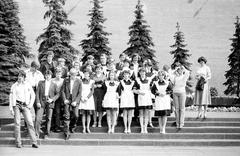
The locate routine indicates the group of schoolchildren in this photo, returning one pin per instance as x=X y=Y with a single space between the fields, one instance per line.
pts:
x=125 y=89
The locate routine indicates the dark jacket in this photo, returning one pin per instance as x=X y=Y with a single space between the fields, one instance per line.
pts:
x=53 y=93
x=76 y=93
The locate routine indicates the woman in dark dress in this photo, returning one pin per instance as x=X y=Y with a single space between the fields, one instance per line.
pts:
x=98 y=95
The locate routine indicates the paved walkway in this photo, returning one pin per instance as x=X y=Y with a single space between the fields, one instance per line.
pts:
x=4 y=113
x=119 y=151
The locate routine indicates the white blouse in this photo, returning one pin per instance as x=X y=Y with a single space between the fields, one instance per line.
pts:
x=205 y=72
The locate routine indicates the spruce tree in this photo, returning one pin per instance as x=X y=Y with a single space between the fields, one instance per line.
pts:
x=233 y=74
x=13 y=48
x=97 y=41
x=56 y=37
x=140 y=41
x=180 y=55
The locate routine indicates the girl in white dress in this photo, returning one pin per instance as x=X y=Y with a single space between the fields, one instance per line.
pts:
x=151 y=75
x=127 y=100
x=142 y=88
x=202 y=95
x=87 y=105
x=162 y=101
x=111 y=101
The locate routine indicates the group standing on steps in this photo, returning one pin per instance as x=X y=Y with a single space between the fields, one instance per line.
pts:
x=129 y=88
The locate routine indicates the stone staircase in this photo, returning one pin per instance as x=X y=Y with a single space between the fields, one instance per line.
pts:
x=210 y=132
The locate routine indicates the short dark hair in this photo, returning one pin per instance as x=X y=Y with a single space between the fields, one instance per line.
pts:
x=50 y=53
x=48 y=72
x=22 y=73
x=34 y=64
x=202 y=59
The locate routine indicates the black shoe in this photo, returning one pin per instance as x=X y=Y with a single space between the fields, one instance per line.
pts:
x=34 y=146
x=67 y=136
x=179 y=129
x=19 y=146
x=174 y=124
x=57 y=130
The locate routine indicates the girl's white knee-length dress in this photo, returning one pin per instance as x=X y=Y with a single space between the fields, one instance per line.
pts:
x=110 y=99
x=127 y=96
x=86 y=89
x=146 y=99
x=162 y=102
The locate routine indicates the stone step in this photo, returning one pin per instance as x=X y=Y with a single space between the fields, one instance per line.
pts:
x=4 y=121
x=10 y=127
x=136 y=129
x=128 y=142
x=135 y=135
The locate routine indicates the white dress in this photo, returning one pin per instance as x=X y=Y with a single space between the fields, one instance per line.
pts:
x=89 y=104
x=127 y=96
x=162 y=103
x=146 y=99
x=110 y=99
x=204 y=97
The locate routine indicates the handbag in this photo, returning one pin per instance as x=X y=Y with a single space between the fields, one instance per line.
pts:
x=200 y=84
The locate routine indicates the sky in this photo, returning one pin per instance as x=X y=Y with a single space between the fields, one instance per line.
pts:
x=207 y=25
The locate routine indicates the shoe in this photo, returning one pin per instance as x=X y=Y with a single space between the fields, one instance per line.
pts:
x=94 y=124
x=151 y=125
x=46 y=137
x=88 y=130
x=163 y=131
x=125 y=131
x=199 y=115
x=99 y=125
x=19 y=146
x=84 y=131
x=67 y=136
x=174 y=124
x=57 y=130
x=129 y=131
x=145 y=131
x=109 y=131
x=113 y=130
x=34 y=146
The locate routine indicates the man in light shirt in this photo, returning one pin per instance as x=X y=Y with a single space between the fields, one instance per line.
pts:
x=33 y=76
x=21 y=100
x=46 y=96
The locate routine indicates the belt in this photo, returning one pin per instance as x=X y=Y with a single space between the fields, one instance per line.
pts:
x=21 y=103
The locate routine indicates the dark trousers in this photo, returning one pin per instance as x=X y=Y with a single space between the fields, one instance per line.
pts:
x=57 y=114
x=40 y=111
x=70 y=119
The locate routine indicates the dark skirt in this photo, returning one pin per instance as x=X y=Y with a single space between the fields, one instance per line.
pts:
x=144 y=107
x=127 y=108
x=98 y=96
x=87 y=112
x=108 y=108
x=160 y=113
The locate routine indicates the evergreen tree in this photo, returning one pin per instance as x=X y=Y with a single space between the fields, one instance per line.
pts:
x=97 y=41
x=140 y=41
x=56 y=37
x=233 y=74
x=180 y=55
x=13 y=48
